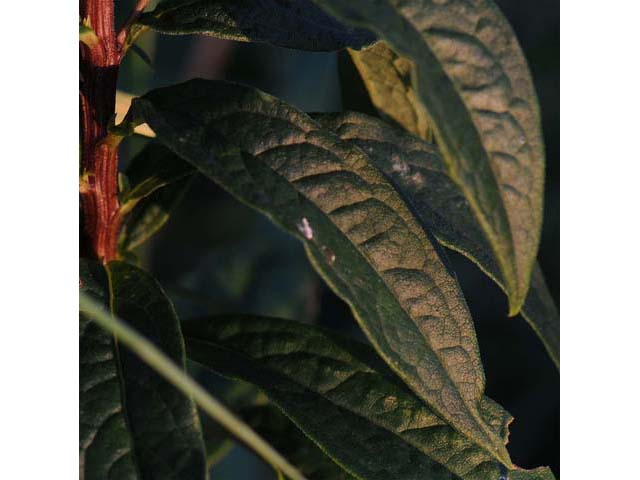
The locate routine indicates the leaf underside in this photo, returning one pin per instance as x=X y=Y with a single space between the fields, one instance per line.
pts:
x=149 y=430
x=387 y=77
x=295 y=24
x=474 y=82
x=417 y=171
x=327 y=193
x=346 y=400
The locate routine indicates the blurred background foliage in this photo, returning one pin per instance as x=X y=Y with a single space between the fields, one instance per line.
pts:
x=215 y=255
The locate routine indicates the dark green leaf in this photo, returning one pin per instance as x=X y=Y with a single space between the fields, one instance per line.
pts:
x=151 y=214
x=474 y=82
x=377 y=256
x=416 y=169
x=164 y=438
x=159 y=179
x=286 y=23
x=106 y=446
x=153 y=168
x=280 y=432
x=346 y=400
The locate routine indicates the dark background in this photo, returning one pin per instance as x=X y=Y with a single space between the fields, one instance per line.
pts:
x=217 y=256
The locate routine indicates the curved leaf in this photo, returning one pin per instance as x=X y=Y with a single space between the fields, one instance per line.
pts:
x=327 y=193
x=151 y=214
x=106 y=446
x=387 y=77
x=153 y=168
x=286 y=23
x=158 y=182
x=160 y=423
x=346 y=400
x=416 y=169
x=473 y=80
x=269 y=422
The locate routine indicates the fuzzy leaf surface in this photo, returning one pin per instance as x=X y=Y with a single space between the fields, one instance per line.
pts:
x=343 y=397
x=474 y=82
x=295 y=24
x=417 y=171
x=158 y=434
x=328 y=193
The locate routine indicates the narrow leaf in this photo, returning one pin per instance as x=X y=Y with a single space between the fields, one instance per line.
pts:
x=173 y=373
x=295 y=24
x=416 y=169
x=106 y=445
x=152 y=214
x=474 y=82
x=328 y=194
x=158 y=182
x=130 y=417
x=346 y=400
x=153 y=168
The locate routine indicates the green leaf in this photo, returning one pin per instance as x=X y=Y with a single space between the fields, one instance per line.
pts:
x=295 y=24
x=474 y=82
x=327 y=193
x=159 y=423
x=106 y=445
x=88 y=36
x=173 y=373
x=417 y=171
x=153 y=168
x=159 y=181
x=152 y=214
x=345 y=399
x=280 y=432
x=387 y=77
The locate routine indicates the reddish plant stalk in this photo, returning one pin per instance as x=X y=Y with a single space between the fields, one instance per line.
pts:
x=99 y=188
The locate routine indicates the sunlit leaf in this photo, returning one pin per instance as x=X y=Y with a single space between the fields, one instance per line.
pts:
x=377 y=256
x=387 y=77
x=345 y=399
x=130 y=417
x=286 y=23
x=474 y=82
x=416 y=169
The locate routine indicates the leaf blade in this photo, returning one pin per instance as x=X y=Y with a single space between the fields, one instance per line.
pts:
x=154 y=357
x=416 y=169
x=475 y=84
x=326 y=192
x=106 y=445
x=387 y=77
x=344 y=398
x=295 y=24
x=149 y=428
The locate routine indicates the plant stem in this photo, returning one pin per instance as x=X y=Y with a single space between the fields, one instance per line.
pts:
x=183 y=382
x=99 y=69
x=137 y=11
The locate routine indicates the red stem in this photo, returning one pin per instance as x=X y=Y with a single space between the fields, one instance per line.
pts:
x=99 y=191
